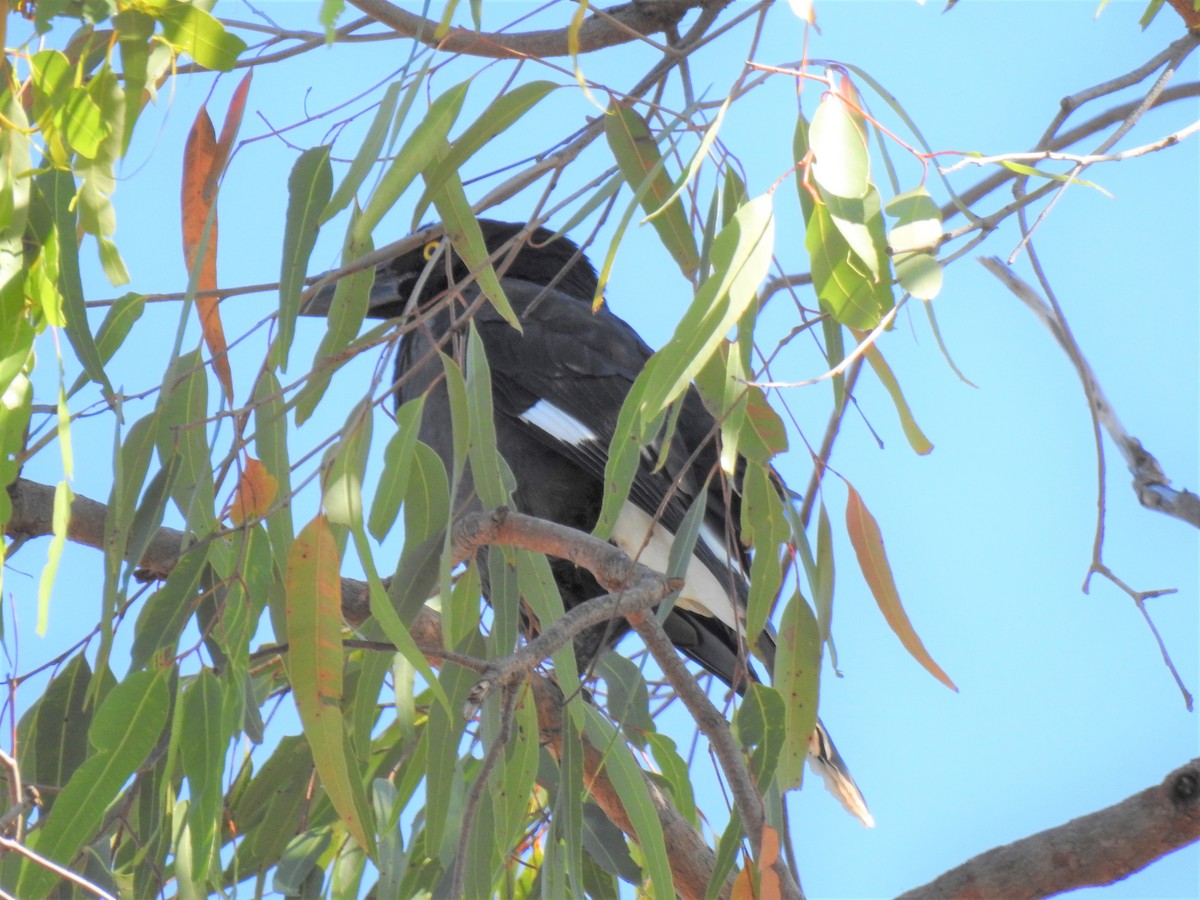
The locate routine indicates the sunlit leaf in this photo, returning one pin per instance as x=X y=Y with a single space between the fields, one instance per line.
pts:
x=191 y=30
x=841 y=164
x=914 y=240
x=912 y=431
x=842 y=281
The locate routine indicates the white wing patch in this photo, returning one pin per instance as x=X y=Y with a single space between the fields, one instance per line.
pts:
x=562 y=426
x=703 y=592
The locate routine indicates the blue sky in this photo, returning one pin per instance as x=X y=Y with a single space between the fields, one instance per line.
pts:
x=1064 y=704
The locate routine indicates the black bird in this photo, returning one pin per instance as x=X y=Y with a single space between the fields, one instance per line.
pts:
x=557 y=389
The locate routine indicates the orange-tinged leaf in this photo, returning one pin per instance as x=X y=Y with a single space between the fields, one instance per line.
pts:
x=233 y=119
x=743 y=886
x=196 y=198
x=256 y=492
x=201 y=168
x=868 y=547
x=768 y=878
x=768 y=855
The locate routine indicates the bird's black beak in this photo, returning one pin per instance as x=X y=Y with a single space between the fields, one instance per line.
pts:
x=387 y=298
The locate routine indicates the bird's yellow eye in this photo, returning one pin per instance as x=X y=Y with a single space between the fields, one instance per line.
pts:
x=430 y=249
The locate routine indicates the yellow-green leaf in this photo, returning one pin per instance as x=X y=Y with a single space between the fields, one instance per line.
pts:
x=314 y=622
x=912 y=431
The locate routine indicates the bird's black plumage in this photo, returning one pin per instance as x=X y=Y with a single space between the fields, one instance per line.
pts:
x=558 y=386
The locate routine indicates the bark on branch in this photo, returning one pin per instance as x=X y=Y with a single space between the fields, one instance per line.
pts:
x=1097 y=849
x=1092 y=850
x=607 y=28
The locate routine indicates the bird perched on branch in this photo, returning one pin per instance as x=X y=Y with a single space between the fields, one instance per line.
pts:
x=557 y=388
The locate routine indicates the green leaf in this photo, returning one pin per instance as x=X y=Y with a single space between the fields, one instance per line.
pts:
x=675 y=769
x=392 y=484
x=58 y=189
x=841 y=165
x=824 y=581
x=426 y=512
x=860 y=220
x=54 y=731
x=416 y=154
x=841 y=280
x=606 y=844
x=367 y=156
x=741 y=257
x=765 y=527
x=183 y=409
x=920 y=274
x=914 y=241
x=343 y=468
x=464 y=232
x=912 y=431
x=63 y=497
x=493 y=481
x=190 y=29
x=512 y=785
x=161 y=619
x=503 y=112
x=628 y=697
x=760 y=724
x=309 y=186
x=351 y=297
x=202 y=752
x=270 y=446
x=299 y=860
x=83 y=123
x=445 y=727
x=630 y=784
x=797 y=679
x=125 y=729
x=642 y=165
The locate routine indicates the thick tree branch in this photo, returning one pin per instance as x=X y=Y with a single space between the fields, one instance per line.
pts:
x=606 y=28
x=1092 y=850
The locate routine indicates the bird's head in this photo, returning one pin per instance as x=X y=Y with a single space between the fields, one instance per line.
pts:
x=538 y=257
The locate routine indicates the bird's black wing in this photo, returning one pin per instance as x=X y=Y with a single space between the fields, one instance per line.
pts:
x=564 y=380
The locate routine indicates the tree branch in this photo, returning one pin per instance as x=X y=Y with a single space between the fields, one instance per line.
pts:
x=692 y=861
x=606 y=28
x=1150 y=483
x=1092 y=850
